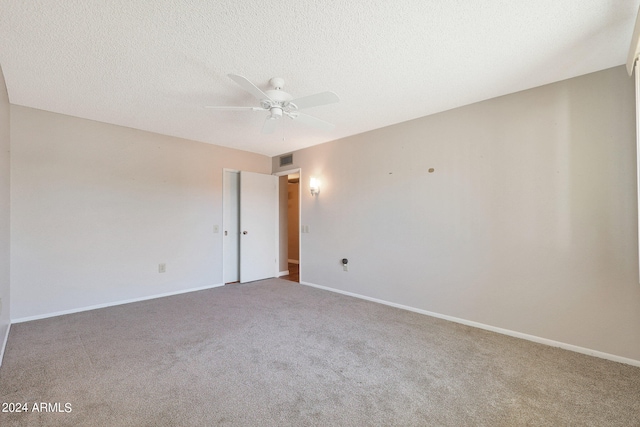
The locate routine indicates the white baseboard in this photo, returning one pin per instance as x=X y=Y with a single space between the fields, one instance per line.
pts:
x=111 y=304
x=293 y=261
x=4 y=343
x=283 y=273
x=508 y=332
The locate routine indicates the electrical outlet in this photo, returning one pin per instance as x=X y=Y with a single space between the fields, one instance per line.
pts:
x=216 y=229
x=162 y=268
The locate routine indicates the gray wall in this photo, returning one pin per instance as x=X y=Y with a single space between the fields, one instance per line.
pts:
x=4 y=211
x=528 y=222
x=96 y=207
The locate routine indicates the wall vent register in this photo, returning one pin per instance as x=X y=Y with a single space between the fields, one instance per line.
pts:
x=286 y=160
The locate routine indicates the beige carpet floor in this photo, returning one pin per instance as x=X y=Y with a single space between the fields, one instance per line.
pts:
x=276 y=353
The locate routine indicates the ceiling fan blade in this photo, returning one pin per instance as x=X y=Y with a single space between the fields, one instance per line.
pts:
x=215 y=107
x=312 y=121
x=318 y=99
x=269 y=125
x=248 y=86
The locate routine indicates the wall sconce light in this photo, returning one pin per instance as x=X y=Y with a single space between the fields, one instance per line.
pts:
x=314 y=185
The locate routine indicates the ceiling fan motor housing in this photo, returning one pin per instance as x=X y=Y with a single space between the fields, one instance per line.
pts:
x=278 y=95
x=278 y=102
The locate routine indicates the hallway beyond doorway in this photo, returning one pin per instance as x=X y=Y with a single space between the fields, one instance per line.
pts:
x=294 y=273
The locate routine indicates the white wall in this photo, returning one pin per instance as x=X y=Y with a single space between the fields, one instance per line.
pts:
x=96 y=207
x=4 y=213
x=528 y=223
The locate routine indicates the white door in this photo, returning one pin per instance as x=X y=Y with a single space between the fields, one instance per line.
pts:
x=258 y=226
x=231 y=221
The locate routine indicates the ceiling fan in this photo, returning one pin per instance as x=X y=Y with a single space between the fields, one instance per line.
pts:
x=279 y=103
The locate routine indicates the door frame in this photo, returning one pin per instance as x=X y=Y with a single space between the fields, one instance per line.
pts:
x=289 y=172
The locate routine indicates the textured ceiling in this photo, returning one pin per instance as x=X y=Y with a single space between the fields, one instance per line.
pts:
x=155 y=64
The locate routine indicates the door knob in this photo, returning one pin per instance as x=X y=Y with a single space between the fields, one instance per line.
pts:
x=244 y=232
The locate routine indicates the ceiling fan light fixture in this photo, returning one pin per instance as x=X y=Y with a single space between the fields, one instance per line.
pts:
x=276 y=113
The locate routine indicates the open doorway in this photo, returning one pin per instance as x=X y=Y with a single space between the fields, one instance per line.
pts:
x=290 y=225
x=293 y=227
